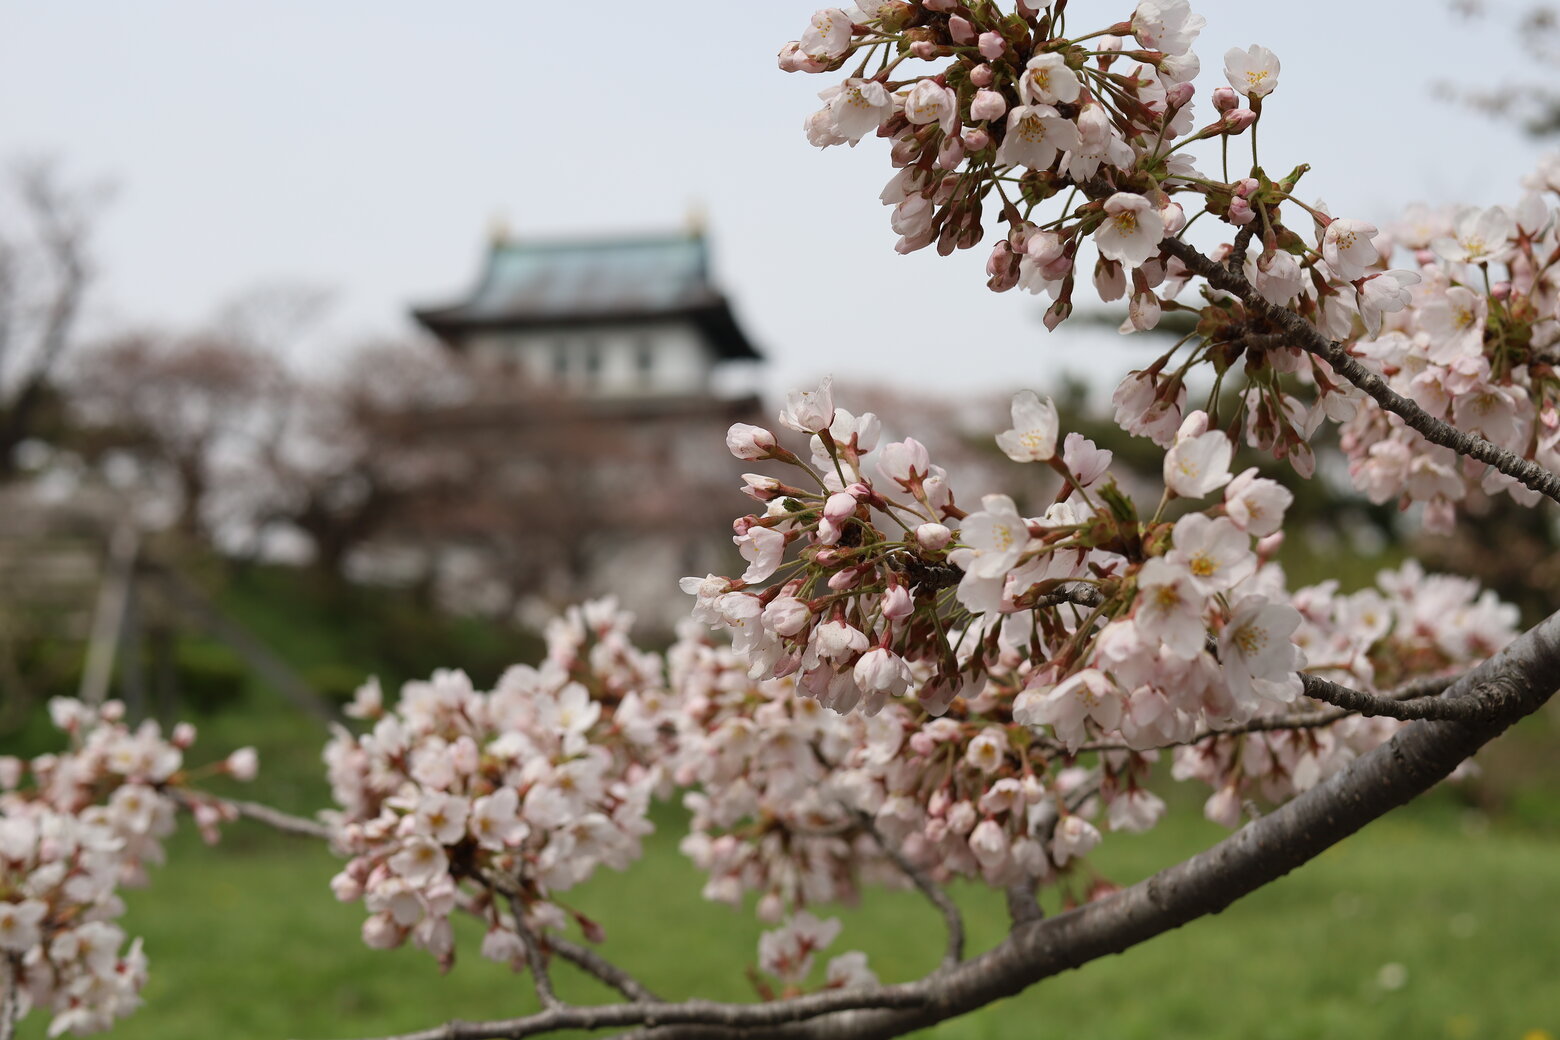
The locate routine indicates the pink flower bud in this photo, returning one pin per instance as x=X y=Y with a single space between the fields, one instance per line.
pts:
x=1002 y=267
x=961 y=30
x=933 y=537
x=1110 y=281
x=183 y=736
x=1143 y=312
x=951 y=153
x=976 y=140
x=749 y=442
x=897 y=603
x=1237 y=120
x=1223 y=807
x=1057 y=313
x=1269 y=545
x=1179 y=95
x=1224 y=99
x=940 y=6
x=243 y=764
x=988 y=104
x=991 y=46
x=840 y=505
x=926 y=50
x=839 y=581
x=1241 y=212
x=786 y=616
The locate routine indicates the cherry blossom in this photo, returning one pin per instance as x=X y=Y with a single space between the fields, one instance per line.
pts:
x=1252 y=72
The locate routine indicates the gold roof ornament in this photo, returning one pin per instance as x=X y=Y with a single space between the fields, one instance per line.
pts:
x=498 y=228
x=695 y=220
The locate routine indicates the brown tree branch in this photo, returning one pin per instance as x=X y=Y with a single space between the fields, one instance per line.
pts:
x=590 y=961
x=1358 y=702
x=11 y=996
x=1408 y=691
x=731 y=1019
x=298 y=826
x=953 y=920
x=533 y=956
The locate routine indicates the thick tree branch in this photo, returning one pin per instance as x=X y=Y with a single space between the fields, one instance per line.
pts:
x=731 y=1019
x=1304 y=335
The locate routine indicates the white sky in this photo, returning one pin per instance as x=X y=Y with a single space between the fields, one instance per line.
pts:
x=367 y=145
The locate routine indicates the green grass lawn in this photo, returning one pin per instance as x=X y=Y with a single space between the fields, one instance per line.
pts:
x=246 y=941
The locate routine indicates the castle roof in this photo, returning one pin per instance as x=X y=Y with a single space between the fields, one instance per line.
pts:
x=580 y=282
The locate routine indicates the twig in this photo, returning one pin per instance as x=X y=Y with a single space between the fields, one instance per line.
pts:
x=1411 y=690
x=592 y=962
x=285 y=822
x=934 y=893
x=10 y=1000
x=952 y=918
x=1462 y=709
x=1304 y=335
x=1078 y=594
x=1022 y=906
x=534 y=958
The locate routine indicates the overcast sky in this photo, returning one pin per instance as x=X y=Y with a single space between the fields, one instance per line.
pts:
x=368 y=145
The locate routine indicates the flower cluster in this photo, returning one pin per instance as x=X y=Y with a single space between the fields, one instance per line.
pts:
x=1015 y=112
x=1046 y=609
x=1476 y=346
x=771 y=812
x=1411 y=625
x=1019 y=112
x=493 y=802
x=1018 y=644
x=74 y=826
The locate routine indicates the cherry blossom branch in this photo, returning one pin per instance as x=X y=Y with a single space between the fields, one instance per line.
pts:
x=935 y=894
x=276 y=819
x=1370 y=705
x=10 y=1000
x=1408 y=691
x=1514 y=683
x=533 y=956
x=1305 y=336
x=1022 y=906
x=731 y=1019
x=1076 y=593
x=953 y=920
x=590 y=961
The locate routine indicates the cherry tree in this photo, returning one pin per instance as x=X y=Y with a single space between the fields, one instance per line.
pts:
x=903 y=690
